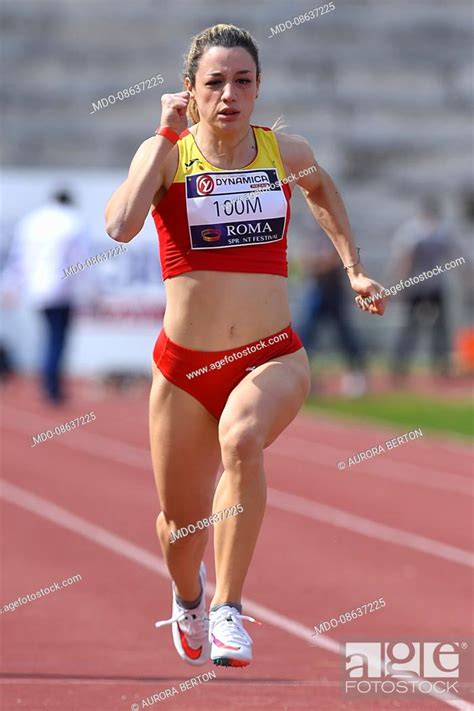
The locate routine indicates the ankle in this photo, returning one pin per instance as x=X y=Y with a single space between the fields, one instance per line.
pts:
x=216 y=605
x=190 y=602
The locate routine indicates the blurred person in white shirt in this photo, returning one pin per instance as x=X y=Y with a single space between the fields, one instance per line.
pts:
x=47 y=241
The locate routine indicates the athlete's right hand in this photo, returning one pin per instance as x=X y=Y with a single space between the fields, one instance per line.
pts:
x=173 y=111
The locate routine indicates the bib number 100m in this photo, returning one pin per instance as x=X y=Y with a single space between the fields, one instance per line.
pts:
x=239 y=206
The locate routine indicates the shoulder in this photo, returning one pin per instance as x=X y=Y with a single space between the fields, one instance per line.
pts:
x=294 y=149
x=298 y=159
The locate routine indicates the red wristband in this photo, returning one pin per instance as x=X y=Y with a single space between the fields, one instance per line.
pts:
x=167 y=133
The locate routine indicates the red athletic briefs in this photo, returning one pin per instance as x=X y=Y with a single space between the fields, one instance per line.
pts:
x=210 y=376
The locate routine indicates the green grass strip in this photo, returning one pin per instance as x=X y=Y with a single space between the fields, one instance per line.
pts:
x=409 y=411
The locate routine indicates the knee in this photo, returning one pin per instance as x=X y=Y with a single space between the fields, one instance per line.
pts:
x=240 y=442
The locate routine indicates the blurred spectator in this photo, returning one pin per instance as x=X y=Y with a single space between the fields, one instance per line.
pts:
x=326 y=301
x=47 y=241
x=419 y=245
x=7 y=368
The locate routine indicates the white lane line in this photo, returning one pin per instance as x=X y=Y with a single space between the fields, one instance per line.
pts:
x=98 y=535
x=111 y=449
x=318 y=453
x=366 y=527
x=314 y=452
x=457 y=444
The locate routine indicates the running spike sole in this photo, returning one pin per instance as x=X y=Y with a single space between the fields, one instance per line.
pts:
x=226 y=662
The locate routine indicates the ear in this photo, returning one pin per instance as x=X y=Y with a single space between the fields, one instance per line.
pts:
x=187 y=85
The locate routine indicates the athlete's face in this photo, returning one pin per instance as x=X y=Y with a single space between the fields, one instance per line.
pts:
x=226 y=87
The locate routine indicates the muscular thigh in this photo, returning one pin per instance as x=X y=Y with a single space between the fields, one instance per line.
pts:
x=185 y=451
x=270 y=397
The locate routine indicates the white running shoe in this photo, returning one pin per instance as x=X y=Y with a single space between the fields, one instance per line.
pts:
x=231 y=645
x=190 y=628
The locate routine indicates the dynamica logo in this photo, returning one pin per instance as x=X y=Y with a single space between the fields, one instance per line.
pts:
x=205 y=185
x=425 y=667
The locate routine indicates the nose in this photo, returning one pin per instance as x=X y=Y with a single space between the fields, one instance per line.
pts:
x=228 y=92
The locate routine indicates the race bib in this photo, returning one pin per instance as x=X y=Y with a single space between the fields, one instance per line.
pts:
x=235 y=208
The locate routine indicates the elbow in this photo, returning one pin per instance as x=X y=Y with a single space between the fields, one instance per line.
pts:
x=118 y=234
x=119 y=226
x=121 y=232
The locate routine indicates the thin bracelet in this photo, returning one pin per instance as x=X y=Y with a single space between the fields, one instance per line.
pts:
x=349 y=266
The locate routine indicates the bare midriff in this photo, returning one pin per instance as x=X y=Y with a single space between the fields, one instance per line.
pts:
x=212 y=311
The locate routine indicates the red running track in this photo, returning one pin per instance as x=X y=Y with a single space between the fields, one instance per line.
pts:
x=83 y=503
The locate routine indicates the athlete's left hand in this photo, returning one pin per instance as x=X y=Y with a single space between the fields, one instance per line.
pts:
x=365 y=288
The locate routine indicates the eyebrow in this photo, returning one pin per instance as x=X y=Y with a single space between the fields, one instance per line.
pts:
x=241 y=71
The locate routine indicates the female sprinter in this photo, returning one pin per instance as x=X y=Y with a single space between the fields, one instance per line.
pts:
x=229 y=374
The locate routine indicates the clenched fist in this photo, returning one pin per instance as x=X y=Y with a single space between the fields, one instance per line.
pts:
x=371 y=297
x=173 y=111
